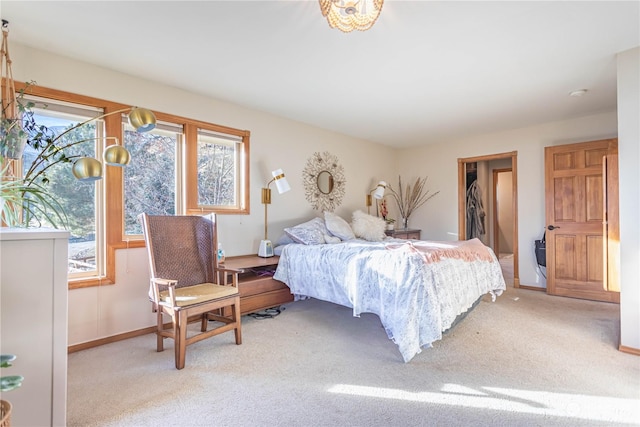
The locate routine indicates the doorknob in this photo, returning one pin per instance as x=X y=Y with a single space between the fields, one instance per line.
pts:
x=552 y=227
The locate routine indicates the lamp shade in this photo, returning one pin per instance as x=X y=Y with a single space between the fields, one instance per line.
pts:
x=142 y=120
x=116 y=155
x=87 y=169
x=379 y=192
x=281 y=182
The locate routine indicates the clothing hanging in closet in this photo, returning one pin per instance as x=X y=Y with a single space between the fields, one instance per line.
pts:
x=475 y=211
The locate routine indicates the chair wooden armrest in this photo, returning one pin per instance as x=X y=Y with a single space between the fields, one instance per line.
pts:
x=171 y=284
x=223 y=274
x=165 y=282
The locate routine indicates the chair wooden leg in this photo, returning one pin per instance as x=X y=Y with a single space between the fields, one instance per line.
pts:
x=236 y=318
x=180 y=338
x=159 y=337
x=203 y=322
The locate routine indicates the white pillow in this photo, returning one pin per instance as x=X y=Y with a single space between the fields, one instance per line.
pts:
x=328 y=238
x=368 y=227
x=308 y=233
x=338 y=227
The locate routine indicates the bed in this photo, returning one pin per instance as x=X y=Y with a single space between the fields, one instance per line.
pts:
x=417 y=288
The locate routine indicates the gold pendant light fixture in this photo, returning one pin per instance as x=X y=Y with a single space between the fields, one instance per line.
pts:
x=349 y=15
x=89 y=169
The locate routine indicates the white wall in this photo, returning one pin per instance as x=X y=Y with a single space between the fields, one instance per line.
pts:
x=276 y=142
x=439 y=219
x=629 y=162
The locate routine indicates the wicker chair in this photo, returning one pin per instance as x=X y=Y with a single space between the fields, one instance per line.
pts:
x=186 y=281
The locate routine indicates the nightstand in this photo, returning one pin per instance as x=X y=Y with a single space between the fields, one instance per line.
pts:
x=402 y=233
x=257 y=287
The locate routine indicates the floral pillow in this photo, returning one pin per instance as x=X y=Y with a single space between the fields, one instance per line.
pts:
x=368 y=227
x=338 y=227
x=308 y=233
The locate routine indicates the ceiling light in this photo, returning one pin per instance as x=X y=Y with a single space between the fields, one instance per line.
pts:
x=578 y=92
x=349 y=15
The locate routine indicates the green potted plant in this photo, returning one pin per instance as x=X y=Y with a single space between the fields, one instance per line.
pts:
x=390 y=223
x=7 y=383
x=25 y=200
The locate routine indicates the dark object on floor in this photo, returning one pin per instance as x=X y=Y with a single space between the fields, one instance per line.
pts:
x=269 y=313
x=541 y=251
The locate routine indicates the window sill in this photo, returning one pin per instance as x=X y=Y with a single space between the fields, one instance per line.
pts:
x=87 y=282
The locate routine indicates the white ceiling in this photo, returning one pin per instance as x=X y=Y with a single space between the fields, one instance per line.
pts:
x=427 y=71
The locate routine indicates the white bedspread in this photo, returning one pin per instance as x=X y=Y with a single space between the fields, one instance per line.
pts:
x=417 y=288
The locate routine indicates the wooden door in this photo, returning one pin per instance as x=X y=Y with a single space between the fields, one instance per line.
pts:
x=574 y=199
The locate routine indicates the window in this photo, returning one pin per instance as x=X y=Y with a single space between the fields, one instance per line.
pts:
x=151 y=181
x=183 y=166
x=220 y=157
x=217 y=170
x=79 y=200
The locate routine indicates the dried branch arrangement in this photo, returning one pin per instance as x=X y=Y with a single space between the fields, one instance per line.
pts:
x=411 y=197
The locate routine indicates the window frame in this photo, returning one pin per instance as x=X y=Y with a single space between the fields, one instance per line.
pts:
x=113 y=222
x=191 y=169
x=178 y=173
x=81 y=113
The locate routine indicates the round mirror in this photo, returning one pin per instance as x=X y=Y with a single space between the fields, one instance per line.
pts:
x=324 y=181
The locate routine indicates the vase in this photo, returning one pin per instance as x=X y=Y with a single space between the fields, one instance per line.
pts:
x=405 y=223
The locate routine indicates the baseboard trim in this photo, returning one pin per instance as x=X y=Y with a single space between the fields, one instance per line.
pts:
x=108 y=340
x=532 y=288
x=630 y=350
x=121 y=337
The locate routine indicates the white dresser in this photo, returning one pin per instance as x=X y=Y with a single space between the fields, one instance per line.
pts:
x=33 y=322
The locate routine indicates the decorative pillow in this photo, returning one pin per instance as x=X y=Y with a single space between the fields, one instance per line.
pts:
x=368 y=227
x=328 y=238
x=284 y=240
x=338 y=227
x=308 y=233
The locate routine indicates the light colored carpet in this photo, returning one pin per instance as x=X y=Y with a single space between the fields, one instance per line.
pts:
x=528 y=359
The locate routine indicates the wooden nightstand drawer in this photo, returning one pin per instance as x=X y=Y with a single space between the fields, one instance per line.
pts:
x=259 y=302
x=258 y=289
x=259 y=285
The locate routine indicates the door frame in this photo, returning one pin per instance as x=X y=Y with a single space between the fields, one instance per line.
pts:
x=495 y=216
x=462 y=202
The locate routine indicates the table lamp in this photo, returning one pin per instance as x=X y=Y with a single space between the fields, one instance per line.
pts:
x=265 y=249
x=378 y=193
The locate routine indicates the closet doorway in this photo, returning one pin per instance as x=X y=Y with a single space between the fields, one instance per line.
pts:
x=488 y=206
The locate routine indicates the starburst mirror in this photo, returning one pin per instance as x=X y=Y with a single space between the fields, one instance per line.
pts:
x=324 y=181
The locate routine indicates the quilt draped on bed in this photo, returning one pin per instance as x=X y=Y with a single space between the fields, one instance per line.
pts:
x=416 y=288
